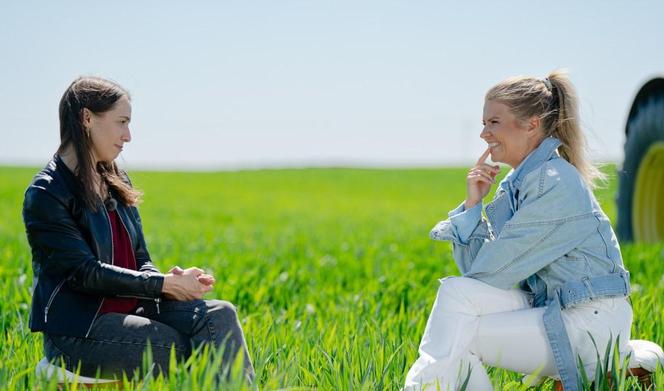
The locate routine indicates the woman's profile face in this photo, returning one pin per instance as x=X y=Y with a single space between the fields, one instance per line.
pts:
x=505 y=135
x=109 y=131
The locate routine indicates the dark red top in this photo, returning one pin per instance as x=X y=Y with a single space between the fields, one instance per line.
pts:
x=123 y=256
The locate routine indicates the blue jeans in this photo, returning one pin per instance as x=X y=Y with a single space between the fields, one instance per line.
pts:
x=116 y=342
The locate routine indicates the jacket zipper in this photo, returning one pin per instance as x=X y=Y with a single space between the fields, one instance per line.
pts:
x=50 y=299
x=156 y=300
x=110 y=228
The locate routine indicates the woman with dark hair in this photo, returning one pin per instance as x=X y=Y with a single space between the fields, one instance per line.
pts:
x=97 y=298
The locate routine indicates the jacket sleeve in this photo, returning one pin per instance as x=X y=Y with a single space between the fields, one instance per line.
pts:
x=467 y=231
x=554 y=217
x=52 y=231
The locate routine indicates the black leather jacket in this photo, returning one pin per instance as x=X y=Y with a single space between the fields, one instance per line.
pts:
x=72 y=255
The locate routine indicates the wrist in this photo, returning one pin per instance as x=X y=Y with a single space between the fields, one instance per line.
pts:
x=168 y=284
x=469 y=204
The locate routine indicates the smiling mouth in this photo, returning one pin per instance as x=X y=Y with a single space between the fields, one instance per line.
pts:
x=493 y=145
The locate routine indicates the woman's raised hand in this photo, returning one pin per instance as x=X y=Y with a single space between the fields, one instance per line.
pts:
x=188 y=284
x=479 y=180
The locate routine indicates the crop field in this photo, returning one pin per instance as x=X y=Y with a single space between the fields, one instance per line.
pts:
x=332 y=270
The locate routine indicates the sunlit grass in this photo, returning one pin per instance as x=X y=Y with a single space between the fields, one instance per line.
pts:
x=332 y=270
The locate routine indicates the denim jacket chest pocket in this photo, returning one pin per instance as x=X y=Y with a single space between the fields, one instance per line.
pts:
x=499 y=211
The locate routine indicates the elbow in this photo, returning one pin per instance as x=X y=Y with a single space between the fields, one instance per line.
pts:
x=83 y=279
x=442 y=231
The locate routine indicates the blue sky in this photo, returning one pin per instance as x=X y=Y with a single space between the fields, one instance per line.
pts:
x=232 y=84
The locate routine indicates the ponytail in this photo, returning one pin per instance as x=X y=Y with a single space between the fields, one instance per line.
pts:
x=554 y=101
x=566 y=128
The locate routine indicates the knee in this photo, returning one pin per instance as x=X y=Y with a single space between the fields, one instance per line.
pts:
x=453 y=290
x=453 y=285
x=222 y=310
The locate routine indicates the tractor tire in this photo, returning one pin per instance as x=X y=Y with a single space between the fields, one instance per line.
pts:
x=640 y=199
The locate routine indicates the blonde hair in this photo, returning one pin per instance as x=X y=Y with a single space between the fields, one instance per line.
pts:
x=554 y=101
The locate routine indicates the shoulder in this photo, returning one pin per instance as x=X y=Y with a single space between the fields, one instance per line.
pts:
x=561 y=182
x=49 y=187
x=553 y=174
x=560 y=174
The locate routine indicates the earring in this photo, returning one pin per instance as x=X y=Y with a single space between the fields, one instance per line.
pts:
x=87 y=132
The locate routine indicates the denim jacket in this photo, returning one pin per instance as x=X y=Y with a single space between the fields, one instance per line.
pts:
x=546 y=232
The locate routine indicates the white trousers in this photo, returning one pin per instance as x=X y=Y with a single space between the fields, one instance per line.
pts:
x=472 y=323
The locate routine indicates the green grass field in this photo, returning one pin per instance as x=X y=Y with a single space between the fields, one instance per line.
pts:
x=332 y=270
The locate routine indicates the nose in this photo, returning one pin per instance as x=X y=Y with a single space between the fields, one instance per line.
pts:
x=126 y=137
x=484 y=133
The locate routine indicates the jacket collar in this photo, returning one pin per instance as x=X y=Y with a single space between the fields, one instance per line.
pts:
x=536 y=158
x=57 y=165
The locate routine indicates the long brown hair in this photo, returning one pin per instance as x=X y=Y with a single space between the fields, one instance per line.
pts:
x=554 y=101
x=99 y=96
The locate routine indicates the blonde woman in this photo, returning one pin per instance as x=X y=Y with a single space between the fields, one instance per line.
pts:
x=543 y=286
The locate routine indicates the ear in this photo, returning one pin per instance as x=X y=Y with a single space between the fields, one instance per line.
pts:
x=533 y=125
x=86 y=118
